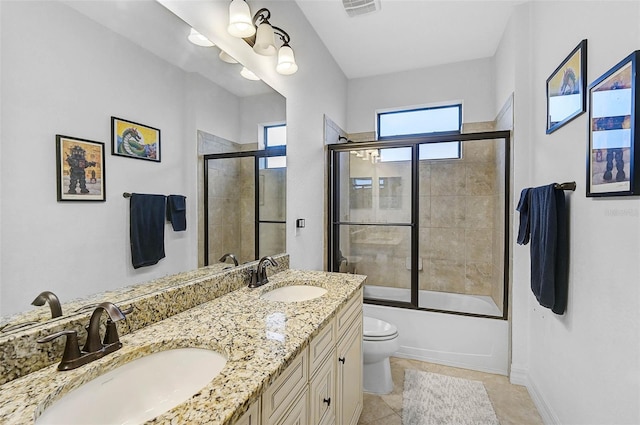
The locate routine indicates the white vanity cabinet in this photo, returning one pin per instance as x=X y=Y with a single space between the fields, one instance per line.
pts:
x=251 y=416
x=323 y=384
x=348 y=361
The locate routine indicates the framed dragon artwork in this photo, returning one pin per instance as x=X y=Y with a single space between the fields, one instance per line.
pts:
x=134 y=140
x=566 y=89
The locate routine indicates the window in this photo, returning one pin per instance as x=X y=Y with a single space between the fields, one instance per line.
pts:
x=419 y=122
x=390 y=193
x=361 y=193
x=274 y=135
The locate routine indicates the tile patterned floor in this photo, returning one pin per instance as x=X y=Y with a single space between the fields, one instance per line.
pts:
x=512 y=403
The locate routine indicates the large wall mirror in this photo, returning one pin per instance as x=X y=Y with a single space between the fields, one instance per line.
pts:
x=214 y=110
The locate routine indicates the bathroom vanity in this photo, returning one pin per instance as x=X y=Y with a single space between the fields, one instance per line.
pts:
x=286 y=361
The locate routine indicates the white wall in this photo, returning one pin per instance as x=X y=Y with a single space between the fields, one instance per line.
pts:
x=470 y=82
x=581 y=367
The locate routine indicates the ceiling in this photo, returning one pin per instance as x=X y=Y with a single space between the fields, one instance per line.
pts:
x=408 y=34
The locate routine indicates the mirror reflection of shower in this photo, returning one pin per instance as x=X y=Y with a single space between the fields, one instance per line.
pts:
x=244 y=201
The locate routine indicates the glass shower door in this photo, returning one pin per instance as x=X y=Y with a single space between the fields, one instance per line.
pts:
x=374 y=226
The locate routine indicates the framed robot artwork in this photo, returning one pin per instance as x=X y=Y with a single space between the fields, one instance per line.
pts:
x=134 y=140
x=566 y=89
x=80 y=169
x=613 y=123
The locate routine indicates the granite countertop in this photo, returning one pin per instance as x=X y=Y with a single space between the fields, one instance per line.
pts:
x=40 y=315
x=241 y=325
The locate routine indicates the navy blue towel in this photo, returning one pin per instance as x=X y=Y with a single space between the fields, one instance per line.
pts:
x=177 y=212
x=146 y=229
x=544 y=224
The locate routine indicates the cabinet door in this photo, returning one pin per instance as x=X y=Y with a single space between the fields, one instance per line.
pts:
x=252 y=416
x=349 y=375
x=282 y=392
x=298 y=413
x=322 y=403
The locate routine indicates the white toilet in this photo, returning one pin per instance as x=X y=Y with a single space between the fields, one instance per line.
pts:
x=380 y=340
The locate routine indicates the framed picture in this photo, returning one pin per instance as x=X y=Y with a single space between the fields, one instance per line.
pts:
x=613 y=121
x=566 y=88
x=134 y=140
x=80 y=169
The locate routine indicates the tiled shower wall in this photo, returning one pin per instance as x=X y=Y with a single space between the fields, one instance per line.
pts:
x=459 y=210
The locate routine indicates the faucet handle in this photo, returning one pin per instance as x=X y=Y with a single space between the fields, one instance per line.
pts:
x=71 y=347
x=111 y=333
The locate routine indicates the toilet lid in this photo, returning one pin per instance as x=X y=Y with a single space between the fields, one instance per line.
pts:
x=378 y=329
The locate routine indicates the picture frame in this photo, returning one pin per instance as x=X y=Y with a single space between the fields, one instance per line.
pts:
x=566 y=89
x=134 y=140
x=613 y=124
x=80 y=169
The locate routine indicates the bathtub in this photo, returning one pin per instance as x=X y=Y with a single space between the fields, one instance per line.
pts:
x=476 y=304
x=453 y=340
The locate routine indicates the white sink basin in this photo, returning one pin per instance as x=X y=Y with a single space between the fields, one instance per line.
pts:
x=294 y=293
x=138 y=391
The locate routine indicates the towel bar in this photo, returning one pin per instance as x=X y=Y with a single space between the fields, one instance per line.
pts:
x=566 y=186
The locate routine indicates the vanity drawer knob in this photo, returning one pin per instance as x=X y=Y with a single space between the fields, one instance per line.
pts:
x=328 y=401
x=341 y=359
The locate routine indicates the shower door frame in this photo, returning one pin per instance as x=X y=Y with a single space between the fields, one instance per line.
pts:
x=256 y=155
x=414 y=143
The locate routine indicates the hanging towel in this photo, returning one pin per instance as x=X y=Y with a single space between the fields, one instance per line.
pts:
x=146 y=229
x=177 y=212
x=544 y=224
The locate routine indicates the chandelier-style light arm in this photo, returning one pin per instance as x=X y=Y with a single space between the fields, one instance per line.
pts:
x=282 y=34
x=261 y=16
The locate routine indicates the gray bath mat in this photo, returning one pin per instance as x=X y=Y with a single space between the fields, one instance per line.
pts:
x=432 y=399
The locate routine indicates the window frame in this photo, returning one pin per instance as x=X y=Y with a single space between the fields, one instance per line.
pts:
x=379 y=113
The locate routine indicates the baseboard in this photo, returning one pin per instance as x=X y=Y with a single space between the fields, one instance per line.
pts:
x=520 y=376
x=428 y=356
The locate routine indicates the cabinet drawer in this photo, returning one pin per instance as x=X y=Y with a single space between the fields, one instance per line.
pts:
x=321 y=346
x=349 y=313
x=277 y=399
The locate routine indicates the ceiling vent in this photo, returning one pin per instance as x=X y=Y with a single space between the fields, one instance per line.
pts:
x=360 y=7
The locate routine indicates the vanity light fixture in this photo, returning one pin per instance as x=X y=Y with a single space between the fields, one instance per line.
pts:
x=249 y=75
x=264 y=41
x=226 y=57
x=198 y=39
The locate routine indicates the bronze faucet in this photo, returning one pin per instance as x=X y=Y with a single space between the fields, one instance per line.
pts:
x=54 y=303
x=259 y=275
x=229 y=255
x=93 y=349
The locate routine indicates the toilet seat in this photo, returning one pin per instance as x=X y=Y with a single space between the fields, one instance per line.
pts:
x=378 y=330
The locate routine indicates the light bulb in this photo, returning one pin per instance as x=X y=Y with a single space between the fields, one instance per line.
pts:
x=249 y=75
x=286 y=61
x=198 y=39
x=240 y=23
x=265 y=40
x=226 y=57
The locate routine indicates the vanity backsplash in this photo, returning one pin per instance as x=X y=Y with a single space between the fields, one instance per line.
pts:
x=21 y=354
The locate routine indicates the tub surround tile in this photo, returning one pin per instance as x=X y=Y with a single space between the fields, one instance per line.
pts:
x=238 y=324
x=154 y=301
